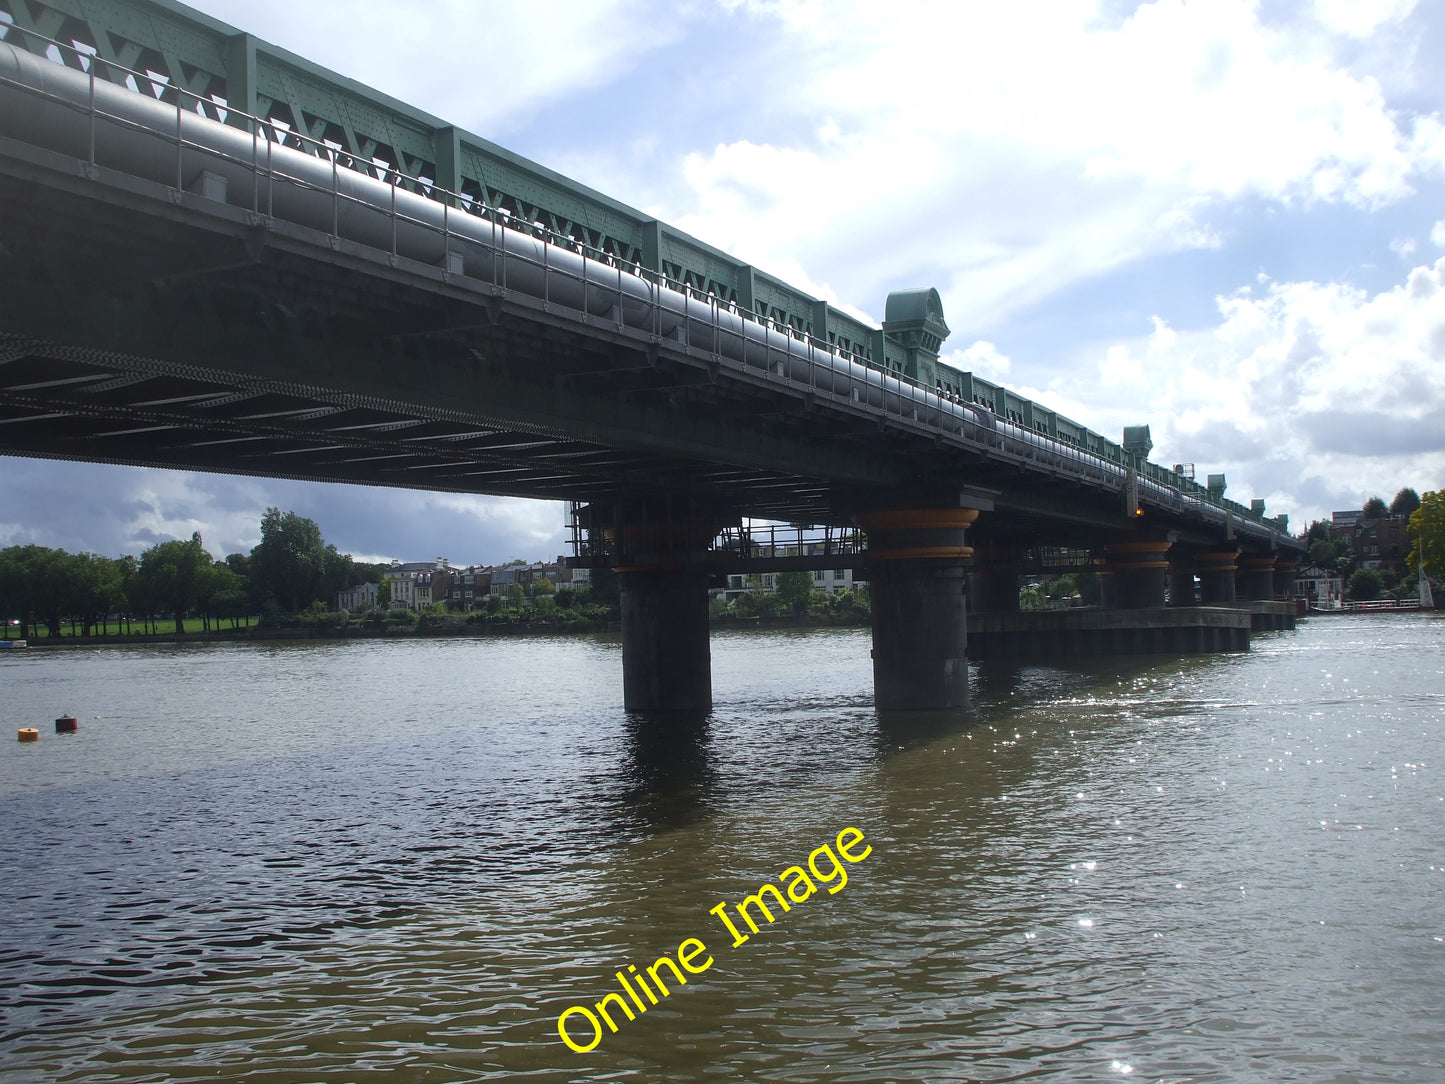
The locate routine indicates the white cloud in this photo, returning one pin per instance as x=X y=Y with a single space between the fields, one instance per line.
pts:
x=982 y=358
x=1360 y=18
x=484 y=67
x=1299 y=388
x=1437 y=235
x=1048 y=148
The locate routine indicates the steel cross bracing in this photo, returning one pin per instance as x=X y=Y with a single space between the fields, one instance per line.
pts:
x=271 y=249
x=164 y=49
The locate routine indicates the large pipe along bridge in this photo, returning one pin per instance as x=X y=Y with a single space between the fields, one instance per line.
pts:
x=191 y=283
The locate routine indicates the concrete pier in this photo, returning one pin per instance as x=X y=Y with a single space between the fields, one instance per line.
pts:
x=918 y=579
x=1140 y=568
x=1256 y=577
x=666 y=654
x=993 y=579
x=1076 y=633
x=660 y=547
x=1268 y=616
x=1216 y=576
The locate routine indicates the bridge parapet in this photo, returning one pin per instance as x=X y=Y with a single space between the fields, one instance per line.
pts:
x=170 y=52
x=200 y=66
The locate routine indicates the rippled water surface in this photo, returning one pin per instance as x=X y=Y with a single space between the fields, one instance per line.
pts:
x=403 y=860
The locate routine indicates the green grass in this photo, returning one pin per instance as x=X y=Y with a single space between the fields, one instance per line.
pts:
x=163 y=627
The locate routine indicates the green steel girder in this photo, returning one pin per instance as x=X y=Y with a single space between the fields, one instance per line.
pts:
x=171 y=46
x=227 y=67
x=383 y=136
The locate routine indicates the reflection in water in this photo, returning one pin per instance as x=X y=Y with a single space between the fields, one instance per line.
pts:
x=667 y=767
x=996 y=680
x=898 y=730
x=400 y=861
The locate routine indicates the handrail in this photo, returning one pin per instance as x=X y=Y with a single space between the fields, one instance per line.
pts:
x=1164 y=488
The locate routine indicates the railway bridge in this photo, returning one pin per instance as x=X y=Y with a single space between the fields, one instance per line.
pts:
x=215 y=255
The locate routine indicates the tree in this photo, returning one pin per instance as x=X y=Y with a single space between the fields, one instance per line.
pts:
x=1427 y=535
x=795 y=591
x=1032 y=597
x=127 y=567
x=43 y=587
x=228 y=594
x=1375 y=508
x=1405 y=503
x=1319 y=531
x=290 y=563
x=21 y=588
x=94 y=590
x=1365 y=585
x=1325 y=554
x=171 y=577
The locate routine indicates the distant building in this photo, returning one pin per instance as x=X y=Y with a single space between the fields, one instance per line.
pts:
x=414 y=585
x=829 y=580
x=506 y=575
x=834 y=579
x=358 y=599
x=469 y=587
x=1378 y=543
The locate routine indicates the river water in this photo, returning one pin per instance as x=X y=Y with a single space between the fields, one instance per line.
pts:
x=404 y=860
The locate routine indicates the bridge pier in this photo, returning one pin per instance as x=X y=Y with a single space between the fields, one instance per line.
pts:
x=1181 y=580
x=918 y=579
x=660 y=547
x=1216 y=576
x=1139 y=568
x=666 y=653
x=993 y=580
x=1285 y=570
x=1256 y=575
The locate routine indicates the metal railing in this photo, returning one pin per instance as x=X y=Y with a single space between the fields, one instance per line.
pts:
x=782 y=345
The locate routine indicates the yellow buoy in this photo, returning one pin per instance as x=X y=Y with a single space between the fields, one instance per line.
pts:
x=29 y=733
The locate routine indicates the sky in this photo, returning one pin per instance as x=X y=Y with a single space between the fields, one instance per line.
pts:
x=1220 y=218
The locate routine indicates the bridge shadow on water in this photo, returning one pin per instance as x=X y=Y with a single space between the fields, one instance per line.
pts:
x=672 y=769
x=668 y=767
x=994 y=687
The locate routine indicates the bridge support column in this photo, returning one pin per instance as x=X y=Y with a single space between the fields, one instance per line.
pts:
x=918 y=579
x=1139 y=569
x=993 y=581
x=1108 y=585
x=666 y=654
x=660 y=548
x=1181 y=580
x=1216 y=576
x=1257 y=574
x=1285 y=570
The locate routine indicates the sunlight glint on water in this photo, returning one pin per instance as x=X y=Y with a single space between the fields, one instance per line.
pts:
x=349 y=861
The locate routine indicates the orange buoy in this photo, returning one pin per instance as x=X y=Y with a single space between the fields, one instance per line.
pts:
x=67 y=724
x=29 y=733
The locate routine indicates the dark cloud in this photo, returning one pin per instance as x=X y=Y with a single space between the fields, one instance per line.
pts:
x=1367 y=433
x=114 y=510
x=1218 y=442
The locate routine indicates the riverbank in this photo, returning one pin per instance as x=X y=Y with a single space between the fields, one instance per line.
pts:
x=444 y=630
